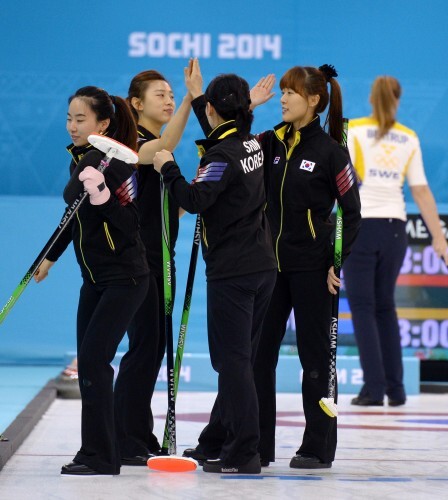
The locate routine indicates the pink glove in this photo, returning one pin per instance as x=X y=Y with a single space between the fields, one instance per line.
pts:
x=94 y=184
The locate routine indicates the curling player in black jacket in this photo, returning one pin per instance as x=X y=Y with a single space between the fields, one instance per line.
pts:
x=228 y=192
x=306 y=170
x=114 y=269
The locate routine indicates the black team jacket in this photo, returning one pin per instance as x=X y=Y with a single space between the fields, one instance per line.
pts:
x=106 y=237
x=228 y=192
x=302 y=184
x=148 y=199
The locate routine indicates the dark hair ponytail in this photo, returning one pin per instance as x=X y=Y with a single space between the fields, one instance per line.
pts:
x=126 y=130
x=334 y=116
x=122 y=125
x=230 y=96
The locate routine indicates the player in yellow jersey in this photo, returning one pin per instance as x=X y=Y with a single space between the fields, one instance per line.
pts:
x=384 y=154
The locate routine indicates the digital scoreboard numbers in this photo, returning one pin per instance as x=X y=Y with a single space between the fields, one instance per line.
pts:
x=422 y=294
x=421 y=299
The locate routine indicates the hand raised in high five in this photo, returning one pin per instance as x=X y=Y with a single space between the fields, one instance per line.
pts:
x=193 y=78
x=262 y=91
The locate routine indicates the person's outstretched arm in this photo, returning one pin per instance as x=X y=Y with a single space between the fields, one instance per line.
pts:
x=426 y=203
x=261 y=92
x=173 y=131
x=194 y=84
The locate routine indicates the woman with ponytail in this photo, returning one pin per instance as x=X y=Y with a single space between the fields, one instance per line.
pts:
x=229 y=194
x=306 y=170
x=384 y=153
x=111 y=256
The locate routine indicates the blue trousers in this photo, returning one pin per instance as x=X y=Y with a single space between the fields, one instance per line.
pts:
x=370 y=274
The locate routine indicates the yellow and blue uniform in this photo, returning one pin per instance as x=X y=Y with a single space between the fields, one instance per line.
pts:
x=382 y=166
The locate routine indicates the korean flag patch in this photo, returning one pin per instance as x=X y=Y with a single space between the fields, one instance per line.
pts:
x=307 y=165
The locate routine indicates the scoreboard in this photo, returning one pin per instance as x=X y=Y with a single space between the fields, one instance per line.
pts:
x=421 y=298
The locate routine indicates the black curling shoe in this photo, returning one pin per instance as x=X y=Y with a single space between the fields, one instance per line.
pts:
x=195 y=455
x=77 y=469
x=308 y=461
x=365 y=401
x=219 y=467
x=397 y=402
x=137 y=460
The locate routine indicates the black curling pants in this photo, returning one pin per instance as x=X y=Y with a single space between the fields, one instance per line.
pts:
x=133 y=416
x=307 y=293
x=104 y=314
x=370 y=275
x=235 y=311
x=146 y=333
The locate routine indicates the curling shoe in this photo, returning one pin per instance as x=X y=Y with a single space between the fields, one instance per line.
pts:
x=397 y=402
x=195 y=454
x=76 y=469
x=137 y=459
x=219 y=467
x=366 y=401
x=308 y=461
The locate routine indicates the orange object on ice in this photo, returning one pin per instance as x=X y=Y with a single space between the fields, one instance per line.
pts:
x=172 y=464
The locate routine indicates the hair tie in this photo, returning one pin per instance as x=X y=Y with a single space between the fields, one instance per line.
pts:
x=329 y=71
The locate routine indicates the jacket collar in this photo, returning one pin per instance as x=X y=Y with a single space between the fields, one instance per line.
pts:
x=145 y=134
x=77 y=152
x=284 y=129
x=222 y=131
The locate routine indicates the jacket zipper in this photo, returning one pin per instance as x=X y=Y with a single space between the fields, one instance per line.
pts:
x=310 y=223
x=288 y=156
x=109 y=237
x=80 y=248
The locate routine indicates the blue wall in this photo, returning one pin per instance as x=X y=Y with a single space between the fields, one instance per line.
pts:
x=50 y=49
x=41 y=327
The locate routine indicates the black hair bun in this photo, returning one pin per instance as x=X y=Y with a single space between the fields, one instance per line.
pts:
x=329 y=71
